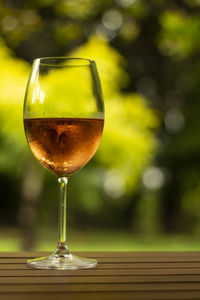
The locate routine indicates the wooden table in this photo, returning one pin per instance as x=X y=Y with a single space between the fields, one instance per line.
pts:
x=119 y=276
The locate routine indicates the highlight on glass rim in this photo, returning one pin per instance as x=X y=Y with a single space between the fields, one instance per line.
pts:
x=133 y=172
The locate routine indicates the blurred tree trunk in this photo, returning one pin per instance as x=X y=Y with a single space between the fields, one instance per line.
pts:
x=171 y=205
x=31 y=190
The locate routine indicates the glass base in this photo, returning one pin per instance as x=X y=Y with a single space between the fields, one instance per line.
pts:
x=62 y=262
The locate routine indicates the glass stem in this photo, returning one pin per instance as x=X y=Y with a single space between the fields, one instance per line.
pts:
x=62 y=248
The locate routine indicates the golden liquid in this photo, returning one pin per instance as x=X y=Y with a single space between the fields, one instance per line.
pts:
x=63 y=145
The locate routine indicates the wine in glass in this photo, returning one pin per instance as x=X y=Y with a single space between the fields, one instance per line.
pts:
x=63 y=121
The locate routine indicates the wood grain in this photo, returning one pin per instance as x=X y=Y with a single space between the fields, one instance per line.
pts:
x=119 y=276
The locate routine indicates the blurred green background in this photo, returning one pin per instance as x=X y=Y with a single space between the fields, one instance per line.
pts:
x=141 y=191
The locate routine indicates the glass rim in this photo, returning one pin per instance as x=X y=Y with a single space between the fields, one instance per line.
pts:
x=52 y=61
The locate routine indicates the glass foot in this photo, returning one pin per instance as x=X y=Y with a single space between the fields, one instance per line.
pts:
x=62 y=262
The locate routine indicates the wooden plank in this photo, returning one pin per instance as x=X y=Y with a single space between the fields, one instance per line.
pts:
x=99 y=279
x=156 y=265
x=100 y=272
x=161 y=295
x=149 y=259
x=162 y=254
x=125 y=259
x=148 y=265
x=119 y=276
x=135 y=260
x=146 y=259
x=96 y=287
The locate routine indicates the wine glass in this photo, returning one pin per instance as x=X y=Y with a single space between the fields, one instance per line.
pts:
x=63 y=122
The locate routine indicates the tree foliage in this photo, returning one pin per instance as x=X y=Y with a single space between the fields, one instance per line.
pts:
x=147 y=54
x=13 y=77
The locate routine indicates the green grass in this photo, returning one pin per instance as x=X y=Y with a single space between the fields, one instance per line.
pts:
x=98 y=240
x=10 y=239
x=121 y=241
